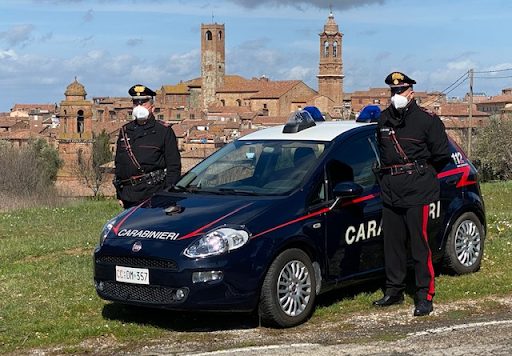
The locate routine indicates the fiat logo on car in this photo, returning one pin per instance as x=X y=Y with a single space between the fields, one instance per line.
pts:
x=137 y=246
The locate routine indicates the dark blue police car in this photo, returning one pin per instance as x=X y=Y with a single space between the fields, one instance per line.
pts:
x=273 y=219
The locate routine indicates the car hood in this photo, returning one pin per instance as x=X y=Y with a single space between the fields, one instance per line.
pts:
x=181 y=216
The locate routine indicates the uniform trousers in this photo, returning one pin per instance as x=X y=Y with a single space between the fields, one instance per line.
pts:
x=399 y=226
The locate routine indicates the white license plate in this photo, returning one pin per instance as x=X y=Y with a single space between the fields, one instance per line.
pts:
x=132 y=275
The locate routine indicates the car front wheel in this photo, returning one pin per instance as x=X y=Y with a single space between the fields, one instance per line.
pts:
x=465 y=245
x=288 y=292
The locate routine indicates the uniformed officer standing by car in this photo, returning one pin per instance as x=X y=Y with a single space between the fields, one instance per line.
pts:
x=413 y=147
x=147 y=157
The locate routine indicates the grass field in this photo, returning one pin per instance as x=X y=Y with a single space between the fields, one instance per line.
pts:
x=48 y=298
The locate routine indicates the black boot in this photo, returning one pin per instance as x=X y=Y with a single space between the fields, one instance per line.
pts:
x=388 y=300
x=423 y=307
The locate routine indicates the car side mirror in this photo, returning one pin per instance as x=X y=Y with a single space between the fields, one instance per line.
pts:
x=347 y=190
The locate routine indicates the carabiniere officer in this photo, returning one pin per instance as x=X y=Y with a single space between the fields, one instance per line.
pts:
x=413 y=148
x=147 y=157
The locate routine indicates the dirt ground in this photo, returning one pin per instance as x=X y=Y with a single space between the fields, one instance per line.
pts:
x=471 y=327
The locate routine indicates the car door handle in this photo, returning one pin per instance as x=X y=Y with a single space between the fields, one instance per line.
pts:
x=314 y=225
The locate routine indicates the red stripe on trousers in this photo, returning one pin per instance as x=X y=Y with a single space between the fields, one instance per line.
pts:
x=431 y=287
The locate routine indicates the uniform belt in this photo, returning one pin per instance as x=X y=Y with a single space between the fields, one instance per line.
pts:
x=409 y=168
x=149 y=178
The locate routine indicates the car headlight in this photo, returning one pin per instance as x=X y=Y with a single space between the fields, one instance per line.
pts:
x=106 y=229
x=218 y=242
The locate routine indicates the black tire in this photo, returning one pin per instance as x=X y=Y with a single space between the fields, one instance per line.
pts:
x=465 y=245
x=294 y=302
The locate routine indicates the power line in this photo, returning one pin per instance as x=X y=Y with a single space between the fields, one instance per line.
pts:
x=449 y=89
x=462 y=76
x=494 y=71
x=501 y=77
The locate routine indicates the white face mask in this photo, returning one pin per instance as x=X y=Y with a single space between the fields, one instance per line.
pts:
x=399 y=101
x=140 y=113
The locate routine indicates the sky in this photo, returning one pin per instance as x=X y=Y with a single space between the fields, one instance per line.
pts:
x=109 y=45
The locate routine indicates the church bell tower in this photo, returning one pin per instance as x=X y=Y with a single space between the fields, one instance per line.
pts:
x=330 y=76
x=213 y=59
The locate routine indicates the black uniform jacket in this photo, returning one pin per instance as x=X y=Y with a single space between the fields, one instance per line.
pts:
x=154 y=147
x=422 y=136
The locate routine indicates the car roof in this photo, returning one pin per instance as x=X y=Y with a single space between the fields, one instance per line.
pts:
x=322 y=131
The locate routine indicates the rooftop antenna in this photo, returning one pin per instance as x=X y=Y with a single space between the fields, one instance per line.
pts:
x=212 y=17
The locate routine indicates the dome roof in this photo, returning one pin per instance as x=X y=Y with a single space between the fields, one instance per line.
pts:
x=75 y=89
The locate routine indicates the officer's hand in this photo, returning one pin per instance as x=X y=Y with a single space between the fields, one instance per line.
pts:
x=121 y=203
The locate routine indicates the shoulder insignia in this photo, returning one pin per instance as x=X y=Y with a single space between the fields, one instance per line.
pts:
x=428 y=111
x=164 y=123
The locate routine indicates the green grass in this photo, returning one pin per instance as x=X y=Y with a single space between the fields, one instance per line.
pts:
x=48 y=298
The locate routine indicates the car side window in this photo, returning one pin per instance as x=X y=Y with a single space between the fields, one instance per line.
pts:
x=353 y=161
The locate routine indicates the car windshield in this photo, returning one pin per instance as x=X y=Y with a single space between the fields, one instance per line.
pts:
x=254 y=168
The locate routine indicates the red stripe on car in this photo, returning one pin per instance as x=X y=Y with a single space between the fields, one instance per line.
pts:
x=464 y=179
x=202 y=228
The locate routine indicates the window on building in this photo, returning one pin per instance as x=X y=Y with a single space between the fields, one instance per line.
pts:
x=161 y=117
x=178 y=116
x=223 y=102
x=335 y=49
x=326 y=49
x=208 y=35
x=220 y=35
x=238 y=102
x=376 y=101
x=112 y=115
x=265 y=106
x=80 y=121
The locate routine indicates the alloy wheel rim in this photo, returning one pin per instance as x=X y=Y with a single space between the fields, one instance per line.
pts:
x=467 y=243
x=294 y=288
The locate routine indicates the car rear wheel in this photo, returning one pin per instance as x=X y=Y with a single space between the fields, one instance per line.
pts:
x=288 y=292
x=465 y=245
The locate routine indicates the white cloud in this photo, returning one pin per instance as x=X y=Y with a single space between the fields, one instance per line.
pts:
x=17 y=35
x=322 y=4
x=298 y=72
x=8 y=54
x=184 y=65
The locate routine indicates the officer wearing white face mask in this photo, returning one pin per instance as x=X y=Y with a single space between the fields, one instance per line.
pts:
x=147 y=157
x=413 y=148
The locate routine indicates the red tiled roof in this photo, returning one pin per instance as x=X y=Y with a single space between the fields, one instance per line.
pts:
x=180 y=130
x=247 y=131
x=228 y=109
x=275 y=89
x=7 y=123
x=459 y=109
x=110 y=127
x=29 y=107
x=198 y=153
x=270 y=120
x=498 y=99
x=180 y=88
x=196 y=82
x=25 y=134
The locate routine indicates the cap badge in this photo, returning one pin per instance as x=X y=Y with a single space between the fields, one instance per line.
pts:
x=396 y=77
x=139 y=89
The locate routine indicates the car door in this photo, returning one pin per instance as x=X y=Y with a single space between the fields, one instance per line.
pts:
x=353 y=238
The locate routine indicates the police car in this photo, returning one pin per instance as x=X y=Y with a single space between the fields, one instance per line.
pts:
x=271 y=221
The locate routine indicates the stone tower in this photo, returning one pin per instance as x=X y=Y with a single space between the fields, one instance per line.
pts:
x=213 y=59
x=75 y=114
x=74 y=139
x=330 y=75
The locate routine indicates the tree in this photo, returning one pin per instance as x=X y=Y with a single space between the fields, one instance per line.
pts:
x=493 y=152
x=48 y=159
x=28 y=174
x=89 y=165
